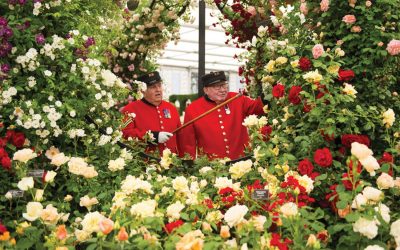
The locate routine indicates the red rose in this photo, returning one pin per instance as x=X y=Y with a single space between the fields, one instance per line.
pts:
x=6 y=162
x=9 y=134
x=346 y=180
x=305 y=167
x=294 y=97
x=169 y=227
x=3 y=142
x=307 y=107
x=240 y=71
x=323 y=157
x=305 y=64
x=3 y=153
x=348 y=139
x=3 y=228
x=209 y=203
x=18 y=139
x=386 y=158
x=266 y=132
x=327 y=137
x=278 y=90
x=345 y=75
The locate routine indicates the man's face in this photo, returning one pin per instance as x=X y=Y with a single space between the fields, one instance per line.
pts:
x=154 y=93
x=217 y=92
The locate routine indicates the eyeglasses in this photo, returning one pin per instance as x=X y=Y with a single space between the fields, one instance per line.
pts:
x=221 y=86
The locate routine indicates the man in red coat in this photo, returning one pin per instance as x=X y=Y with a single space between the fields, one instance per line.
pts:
x=221 y=133
x=152 y=115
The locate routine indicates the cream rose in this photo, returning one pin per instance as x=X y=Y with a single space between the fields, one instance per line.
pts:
x=174 y=210
x=24 y=155
x=235 y=215
x=88 y=202
x=49 y=177
x=238 y=169
x=289 y=209
x=59 y=159
x=372 y=194
x=385 y=181
x=117 y=164
x=144 y=209
x=25 y=183
x=33 y=210
x=91 y=222
x=360 y=150
x=180 y=184
x=366 y=227
x=370 y=164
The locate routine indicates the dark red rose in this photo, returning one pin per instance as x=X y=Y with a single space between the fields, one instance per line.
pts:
x=307 y=107
x=9 y=134
x=169 y=227
x=347 y=181
x=3 y=228
x=240 y=71
x=266 y=132
x=3 y=153
x=278 y=90
x=386 y=158
x=6 y=162
x=314 y=175
x=3 y=142
x=305 y=167
x=209 y=203
x=348 y=139
x=18 y=139
x=345 y=75
x=294 y=96
x=305 y=64
x=327 y=137
x=342 y=151
x=323 y=157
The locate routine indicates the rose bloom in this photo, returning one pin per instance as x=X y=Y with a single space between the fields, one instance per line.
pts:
x=346 y=75
x=224 y=233
x=395 y=229
x=305 y=167
x=385 y=181
x=294 y=93
x=393 y=47
x=235 y=215
x=349 y=19
x=49 y=176
x=370 y=164
x=360 y=151
x=305 y=64
x=324 y=5
x=59 y=159
x=323 y=157
x=88 y=202
x=388 y=118
x=91 y=222
x=368 y=3
x=51 y=152
x=372 y=194
x=356 y=29
x=192 y=240
x=33 y=211
x=366 y=227
x=61 y=232
x=122 y=234
x=317 y=51
x=24 y=155
x=26 y=183
x=50 y=215
x=349 y=90
x=174 y=210
x=289 y=209
x=106 y=226
x=278 y=90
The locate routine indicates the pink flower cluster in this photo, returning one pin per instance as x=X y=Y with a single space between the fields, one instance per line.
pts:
x=324 y=5
x=349 y=19
x=317 y=51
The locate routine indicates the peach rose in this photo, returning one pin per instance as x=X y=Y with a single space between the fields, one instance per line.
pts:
x=349 y=19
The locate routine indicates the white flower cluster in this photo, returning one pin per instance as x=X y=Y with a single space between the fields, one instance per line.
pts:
x=144 y=209
x=166 y=159
x=253 y=121
x=78 y=166
x=29 y=60
x=131 y=184
x=50 y=49
x=364 y=155
x=369 y=196
x=8 y=94
x=49 y=215
x=74 y=133
x=223 y=182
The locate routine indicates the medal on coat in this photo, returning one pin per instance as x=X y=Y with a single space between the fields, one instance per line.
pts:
x=227 y=110
x=167 y=114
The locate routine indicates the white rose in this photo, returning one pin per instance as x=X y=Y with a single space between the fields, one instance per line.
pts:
x=50 y=215
x=24 y=155
x=91 y=222
x=372 y=194
x=115 y=165
x=223 y=182
x=258 y=222
x=384 y=211
x=25 y=183
x=370 y=164
x=235 y=215
x=88 y=202
x=360 y=150
x=205 y=170
x=8 y=195
x=250 y=121
x=306 y=182
x=33 y=211
x=39 y=195
x=51 y=152
x=395 y=229
x=59 y=159
x=385 y=181
x=173 y=210
x=238 y=169
x=49 y=177
x=388 y=118
x=374 y=247
x=144 y=209
x=289 y=209
x=180 y=184
x=359 y=201
x=368 y=228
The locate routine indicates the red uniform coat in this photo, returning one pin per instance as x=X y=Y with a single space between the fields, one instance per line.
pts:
x=220 y=133
x=163 y=117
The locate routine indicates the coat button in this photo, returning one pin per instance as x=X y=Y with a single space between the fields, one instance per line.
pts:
x=162 y=127
x=219 y=110
x=161 y=122
x=223 y=133
x=227 y=151
x=220 y=122
x=225 y=139
x=220 y=116
x=222 y=127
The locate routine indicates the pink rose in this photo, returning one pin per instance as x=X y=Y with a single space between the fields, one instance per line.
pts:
x=393 y=47
x=252 y=10
x=368 y=3
x=324 y=5
x=303 y=8
x=339 y=42
x=356 y=29
x=349 y=19
x=317 y=51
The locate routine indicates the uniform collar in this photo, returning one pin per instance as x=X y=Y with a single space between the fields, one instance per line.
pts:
x=148 y=103
x=208 y=98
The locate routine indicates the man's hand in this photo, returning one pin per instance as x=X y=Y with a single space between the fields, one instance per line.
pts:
x=164 y=136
